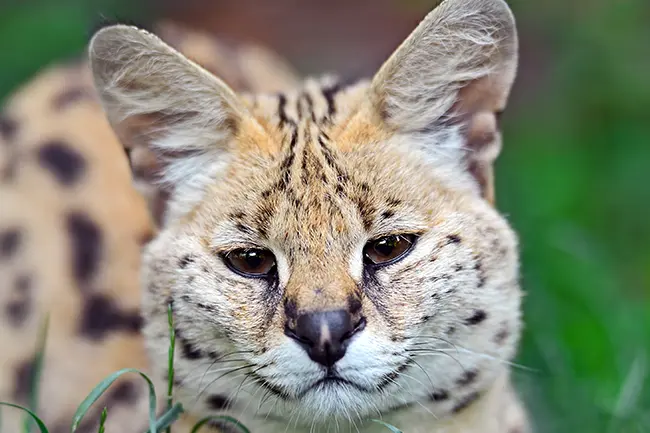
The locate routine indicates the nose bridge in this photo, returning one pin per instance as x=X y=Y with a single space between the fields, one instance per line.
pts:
x=320 y=287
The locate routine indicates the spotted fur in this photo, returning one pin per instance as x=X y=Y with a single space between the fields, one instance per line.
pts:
x=312 y=173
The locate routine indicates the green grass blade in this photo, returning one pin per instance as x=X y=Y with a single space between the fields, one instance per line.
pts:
x=34 y=390
x=388 y=426
x=170 y=361
x=101 y=389
x=102 y=421
x=168 y=418
x=226 y=418
x=33 y=416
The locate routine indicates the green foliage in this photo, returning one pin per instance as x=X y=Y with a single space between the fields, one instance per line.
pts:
x=102 y=420
x=32 y=415
x=170 y=360
x=103 y=386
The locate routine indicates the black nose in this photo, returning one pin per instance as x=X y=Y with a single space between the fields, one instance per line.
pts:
x=325 y=335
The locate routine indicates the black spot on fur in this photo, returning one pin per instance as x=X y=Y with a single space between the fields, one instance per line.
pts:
x=185 y=260
x=19 y=307
x=465 y=402
x=501 y=336
x=65 y=163
x=101 y=316
x=9 y=242
x=387 y=214
x=8 y=127
x=24 y=377
x=23 y=283
x=86 y=244
x=69 y=96
x=468 y=377
x=451 y=330
x=123 y=392
x=439 y=395
x=476 y=318
x=218 y=402
x=453 y=239
x=458 y=267
x=189 y=350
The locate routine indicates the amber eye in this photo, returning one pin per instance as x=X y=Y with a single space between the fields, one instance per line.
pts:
x=254 y=263
x=387 y=250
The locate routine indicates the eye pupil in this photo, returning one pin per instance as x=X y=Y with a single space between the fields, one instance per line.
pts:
x=385 y=246
x=250 y=262
x=387 y=250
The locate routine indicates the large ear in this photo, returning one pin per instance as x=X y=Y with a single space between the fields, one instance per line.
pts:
x=455 y=70
x=176 y=120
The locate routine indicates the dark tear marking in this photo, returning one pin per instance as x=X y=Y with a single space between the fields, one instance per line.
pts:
x=468 y=377
x=218 y=402
x=290 y=309
x=101 y=316
x=8 y=127
x=86 y=245
x=439 y=395
x=354 y=304
x=374 y=291
x=476 y=318
x=69 y=96
x=10 y=240
x=465 y=402
x=24 y=377
x=65 y=163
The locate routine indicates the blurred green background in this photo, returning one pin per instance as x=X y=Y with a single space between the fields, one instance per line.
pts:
x=574 y=177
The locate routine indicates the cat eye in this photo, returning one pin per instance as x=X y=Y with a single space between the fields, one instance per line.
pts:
x=252 y=263
x=388 y=249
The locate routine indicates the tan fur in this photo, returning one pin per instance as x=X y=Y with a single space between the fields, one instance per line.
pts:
x=311 y=174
